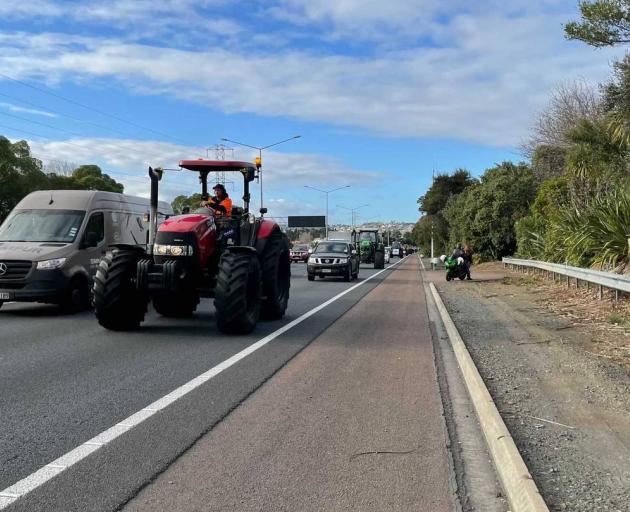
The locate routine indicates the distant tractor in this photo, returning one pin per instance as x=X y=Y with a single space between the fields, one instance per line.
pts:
x=242 y=261
x=371 y=247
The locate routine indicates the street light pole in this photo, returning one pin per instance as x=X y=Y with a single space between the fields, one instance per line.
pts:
x=353 y=210
x=260 y=150
x=326 y=192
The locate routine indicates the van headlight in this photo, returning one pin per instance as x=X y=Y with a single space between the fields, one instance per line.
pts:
x=173 y=250
x=51 y=264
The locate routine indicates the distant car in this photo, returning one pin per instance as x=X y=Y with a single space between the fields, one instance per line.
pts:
x=299 y=253
x=398 y=250
x=330 y=258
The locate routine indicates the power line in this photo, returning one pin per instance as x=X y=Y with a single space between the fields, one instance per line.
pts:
x=64 y=130
x=88 y=107
x=130 y=176
x=49 y=110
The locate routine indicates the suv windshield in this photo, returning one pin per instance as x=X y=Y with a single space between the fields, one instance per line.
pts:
x=332 y=247
x=301 y=248
x=41 y=226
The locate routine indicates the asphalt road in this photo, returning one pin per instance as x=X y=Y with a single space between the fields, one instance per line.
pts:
x=64 y=379
x=353 y=422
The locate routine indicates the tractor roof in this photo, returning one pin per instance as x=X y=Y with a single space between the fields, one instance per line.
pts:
x=201 y=165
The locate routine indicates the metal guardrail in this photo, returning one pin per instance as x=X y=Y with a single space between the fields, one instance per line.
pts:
x=616 y=282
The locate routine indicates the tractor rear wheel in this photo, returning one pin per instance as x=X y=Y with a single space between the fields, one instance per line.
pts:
x=118 y=304
x=177 y=305
x=379 y=259
x=276 y=277
x=237 y=293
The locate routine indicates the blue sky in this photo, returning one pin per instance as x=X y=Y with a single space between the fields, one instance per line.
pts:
x=380 y=92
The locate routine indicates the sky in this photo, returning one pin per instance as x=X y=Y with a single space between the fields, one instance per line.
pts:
x=380 y=92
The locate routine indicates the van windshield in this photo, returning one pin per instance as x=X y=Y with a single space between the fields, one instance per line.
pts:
x=41 y=226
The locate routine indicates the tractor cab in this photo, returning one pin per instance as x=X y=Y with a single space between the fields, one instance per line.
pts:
x=235 y=229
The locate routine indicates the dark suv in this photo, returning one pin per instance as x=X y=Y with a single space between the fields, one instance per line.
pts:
x=338 y=259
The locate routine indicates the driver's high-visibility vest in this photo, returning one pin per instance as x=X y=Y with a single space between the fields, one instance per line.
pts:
x=221 y=208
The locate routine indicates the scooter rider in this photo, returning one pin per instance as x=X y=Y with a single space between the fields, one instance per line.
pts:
x=458 y=252
x=468 y=254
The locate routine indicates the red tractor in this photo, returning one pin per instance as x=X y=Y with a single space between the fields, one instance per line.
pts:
x=242 y=261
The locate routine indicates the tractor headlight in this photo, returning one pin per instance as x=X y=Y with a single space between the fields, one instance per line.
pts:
x=51 y=264
x=173 y=250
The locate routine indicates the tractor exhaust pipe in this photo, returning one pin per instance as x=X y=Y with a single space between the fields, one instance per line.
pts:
x=156 y=176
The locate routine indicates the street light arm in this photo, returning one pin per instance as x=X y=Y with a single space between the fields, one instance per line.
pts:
x=318 y=189
x=241 y=144
x=281 y=142
x=338 y=188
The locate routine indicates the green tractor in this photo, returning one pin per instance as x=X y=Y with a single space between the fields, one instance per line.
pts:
x=371 y=248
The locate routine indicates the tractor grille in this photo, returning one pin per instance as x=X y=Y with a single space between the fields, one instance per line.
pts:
x=13 y=270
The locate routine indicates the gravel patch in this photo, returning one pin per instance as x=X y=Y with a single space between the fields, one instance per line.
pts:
x=568 y=410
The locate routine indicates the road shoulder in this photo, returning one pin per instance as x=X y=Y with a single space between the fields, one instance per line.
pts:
x=567 y=410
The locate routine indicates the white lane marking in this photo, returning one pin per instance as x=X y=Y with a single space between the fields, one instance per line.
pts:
x=42 y=475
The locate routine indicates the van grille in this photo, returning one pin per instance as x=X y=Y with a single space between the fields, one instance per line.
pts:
x=14 y=269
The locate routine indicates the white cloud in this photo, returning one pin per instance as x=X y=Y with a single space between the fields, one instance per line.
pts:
x=127 y=161
x=483 y=87
x=476 y=71
x=16 y=108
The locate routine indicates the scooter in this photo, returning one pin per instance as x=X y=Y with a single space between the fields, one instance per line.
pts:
x=455 y=267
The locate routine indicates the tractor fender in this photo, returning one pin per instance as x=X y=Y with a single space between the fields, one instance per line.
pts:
x=267 y=227
x=240 y=249
x=127 y=247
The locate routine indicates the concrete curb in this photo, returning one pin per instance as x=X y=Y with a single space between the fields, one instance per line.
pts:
x=518 y=485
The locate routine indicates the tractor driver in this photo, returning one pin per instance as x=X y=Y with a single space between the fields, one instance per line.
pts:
x=220 y=203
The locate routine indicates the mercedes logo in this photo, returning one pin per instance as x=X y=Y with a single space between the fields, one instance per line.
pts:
x=3 y=268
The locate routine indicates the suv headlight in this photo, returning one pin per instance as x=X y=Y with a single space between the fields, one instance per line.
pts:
x=51 y=264
x=311 y=260
x=173 y=250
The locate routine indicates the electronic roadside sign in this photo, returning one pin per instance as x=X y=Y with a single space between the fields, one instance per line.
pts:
x=307 y=221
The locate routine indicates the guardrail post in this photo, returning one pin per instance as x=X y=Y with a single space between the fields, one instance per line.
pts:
x=601 y=292
x=568 y=282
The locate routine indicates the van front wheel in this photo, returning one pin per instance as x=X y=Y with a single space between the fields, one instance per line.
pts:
x=77 y=296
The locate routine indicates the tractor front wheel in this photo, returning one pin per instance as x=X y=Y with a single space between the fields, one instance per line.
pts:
x=118 y=304
x=237 y=293
x=276 y=277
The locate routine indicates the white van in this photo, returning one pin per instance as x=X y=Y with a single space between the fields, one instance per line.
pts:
x=53 y=240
